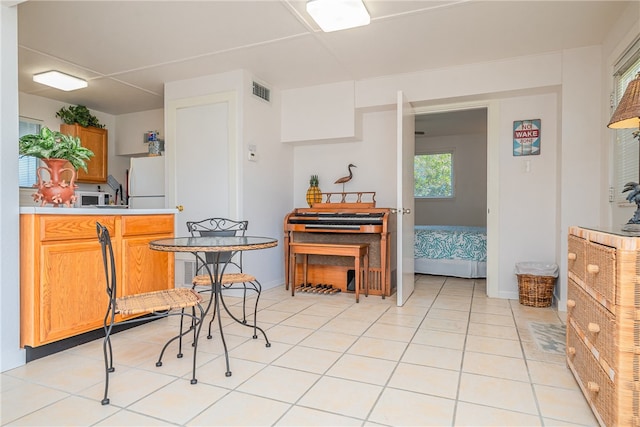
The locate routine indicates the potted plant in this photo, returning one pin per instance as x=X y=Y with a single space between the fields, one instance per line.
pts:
x=78 y=114
x=56 y=150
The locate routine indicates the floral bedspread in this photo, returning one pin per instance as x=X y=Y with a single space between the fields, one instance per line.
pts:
x=450 y=242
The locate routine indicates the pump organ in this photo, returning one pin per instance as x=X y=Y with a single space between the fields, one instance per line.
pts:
x=346 y=223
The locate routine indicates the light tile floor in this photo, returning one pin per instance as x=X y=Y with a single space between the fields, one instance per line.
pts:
x=449 y=357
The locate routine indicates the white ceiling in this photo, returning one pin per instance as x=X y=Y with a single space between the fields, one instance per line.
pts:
x=128 y=49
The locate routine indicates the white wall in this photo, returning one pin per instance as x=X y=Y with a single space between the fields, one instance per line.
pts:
x=528 y=200
x=329 y=116
x=11 y=355
x=267 y=183
x=469 y=204
x=581 y=156
x=129 y=134
x=374 y=157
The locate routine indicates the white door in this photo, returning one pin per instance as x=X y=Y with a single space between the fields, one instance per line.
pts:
x=405 y=203
x=201 y=159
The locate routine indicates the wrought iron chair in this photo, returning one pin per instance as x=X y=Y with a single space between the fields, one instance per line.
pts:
x=157 y=304
x=228 y=264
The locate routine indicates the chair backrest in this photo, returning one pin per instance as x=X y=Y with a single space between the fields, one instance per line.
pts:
x=109 y=264
x=219 y=227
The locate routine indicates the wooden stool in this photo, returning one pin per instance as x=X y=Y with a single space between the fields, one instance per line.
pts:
x=359 y=251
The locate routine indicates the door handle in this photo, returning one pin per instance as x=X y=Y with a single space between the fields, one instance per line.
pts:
x=180 y=208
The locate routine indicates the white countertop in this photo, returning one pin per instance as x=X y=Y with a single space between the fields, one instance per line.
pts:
x=107 y=210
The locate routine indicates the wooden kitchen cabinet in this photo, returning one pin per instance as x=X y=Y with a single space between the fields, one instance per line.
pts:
x=96 y=140
x=62 y=282
x=144 y=270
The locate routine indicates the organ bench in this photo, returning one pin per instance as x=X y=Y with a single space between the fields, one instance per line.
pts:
x=360 y=253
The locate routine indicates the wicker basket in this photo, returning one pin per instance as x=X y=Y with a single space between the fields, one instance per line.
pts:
x=536 y=291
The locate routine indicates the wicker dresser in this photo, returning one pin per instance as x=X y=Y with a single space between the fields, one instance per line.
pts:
x=603 y=322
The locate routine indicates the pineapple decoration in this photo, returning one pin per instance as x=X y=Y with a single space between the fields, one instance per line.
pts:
x=314 y=194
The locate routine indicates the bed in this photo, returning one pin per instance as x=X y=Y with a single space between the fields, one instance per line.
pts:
x=451 y=250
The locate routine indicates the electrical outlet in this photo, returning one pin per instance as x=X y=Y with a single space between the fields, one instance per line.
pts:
x=252 y=155
x=611 y=195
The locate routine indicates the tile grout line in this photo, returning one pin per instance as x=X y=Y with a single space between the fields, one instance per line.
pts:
x=386 y=384
x=464 y=352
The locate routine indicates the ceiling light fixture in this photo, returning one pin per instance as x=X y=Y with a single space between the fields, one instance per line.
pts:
x=60 y=80
x=334 y=15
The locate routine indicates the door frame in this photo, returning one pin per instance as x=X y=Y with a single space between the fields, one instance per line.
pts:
x=493 y=181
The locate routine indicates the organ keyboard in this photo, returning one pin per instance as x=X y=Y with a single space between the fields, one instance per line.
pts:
x=346 y=223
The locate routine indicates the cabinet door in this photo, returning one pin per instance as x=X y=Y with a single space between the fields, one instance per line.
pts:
x=145 y=270
x=95 y=140
x=73 y=297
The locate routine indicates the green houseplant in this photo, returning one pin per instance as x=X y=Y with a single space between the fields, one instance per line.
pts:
x=49 y=144
x=57 y=151
x=78 y=114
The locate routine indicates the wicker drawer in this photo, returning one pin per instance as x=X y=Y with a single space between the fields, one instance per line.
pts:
x=628 y=291
x=577 y=256
x=597 y=387
x=598 y=325
x=601 y=271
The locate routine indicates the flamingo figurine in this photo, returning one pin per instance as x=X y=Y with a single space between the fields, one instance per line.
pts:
x=347 y=178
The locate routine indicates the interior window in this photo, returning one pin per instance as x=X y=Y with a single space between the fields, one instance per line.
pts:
x=626 y=151
x=27 y=165
x=433 y=175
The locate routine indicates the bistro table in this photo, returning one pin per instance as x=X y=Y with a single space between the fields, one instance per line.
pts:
x=218 y=245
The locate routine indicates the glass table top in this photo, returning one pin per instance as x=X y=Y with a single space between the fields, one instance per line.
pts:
x=213 y=243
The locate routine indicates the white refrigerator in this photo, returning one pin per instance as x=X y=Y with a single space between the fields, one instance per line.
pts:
x=146 y=183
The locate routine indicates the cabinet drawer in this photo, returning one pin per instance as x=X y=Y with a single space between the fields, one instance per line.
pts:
x=628 y=291
x=597 y=323
x=601 y=271
x=576 y=262
x=137 y=225
x=597 y=387
x=73 y=227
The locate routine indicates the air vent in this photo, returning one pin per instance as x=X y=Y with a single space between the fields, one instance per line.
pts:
x=261 y=91
x=189 y=271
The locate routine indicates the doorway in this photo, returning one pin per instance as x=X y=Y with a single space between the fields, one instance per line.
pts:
x=464 y=130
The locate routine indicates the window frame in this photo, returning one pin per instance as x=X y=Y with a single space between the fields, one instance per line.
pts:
x=626 y=150
x=452 y=195
x=27 y=162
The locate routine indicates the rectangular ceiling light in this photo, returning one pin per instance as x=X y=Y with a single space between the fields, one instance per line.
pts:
x=60 y=80
x=334 y=15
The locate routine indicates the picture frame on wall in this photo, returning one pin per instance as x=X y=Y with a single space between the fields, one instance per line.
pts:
x=526 y=137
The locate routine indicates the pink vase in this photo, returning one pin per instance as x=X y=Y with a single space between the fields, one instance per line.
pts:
x=56 y=191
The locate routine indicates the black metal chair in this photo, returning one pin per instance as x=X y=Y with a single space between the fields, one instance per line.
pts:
x=227 y=264
x=157 y=304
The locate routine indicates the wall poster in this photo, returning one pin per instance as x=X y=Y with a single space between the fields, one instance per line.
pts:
x=526 y=137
